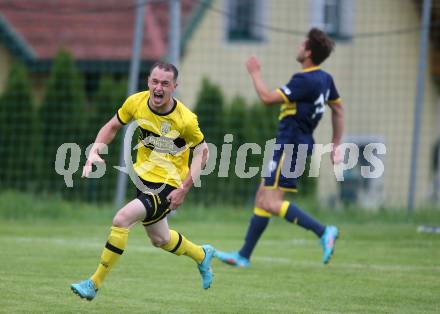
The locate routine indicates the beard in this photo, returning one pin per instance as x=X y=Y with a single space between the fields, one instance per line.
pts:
x=300 y=59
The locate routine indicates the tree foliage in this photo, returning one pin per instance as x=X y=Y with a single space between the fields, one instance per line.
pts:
x=18 y=136
x=62 y=115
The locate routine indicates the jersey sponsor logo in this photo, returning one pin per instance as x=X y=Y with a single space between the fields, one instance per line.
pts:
x=286 y=90
x=162 y=144
x=165 y=127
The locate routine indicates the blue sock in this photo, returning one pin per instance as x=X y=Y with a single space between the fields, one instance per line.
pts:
x=292 y=213
x=257 y=225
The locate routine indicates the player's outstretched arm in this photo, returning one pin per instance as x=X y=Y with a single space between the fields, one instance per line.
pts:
x=104 y=137
x=198 y=162
x=267 y=96
x=338 y=130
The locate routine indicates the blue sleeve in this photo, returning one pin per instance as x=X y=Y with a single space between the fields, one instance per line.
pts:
x=334 y=95
x=296 y=89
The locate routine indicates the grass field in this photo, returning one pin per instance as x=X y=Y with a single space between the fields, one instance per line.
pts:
x=381 y=265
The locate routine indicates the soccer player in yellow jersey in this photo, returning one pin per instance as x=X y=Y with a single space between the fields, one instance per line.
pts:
x=168 y=129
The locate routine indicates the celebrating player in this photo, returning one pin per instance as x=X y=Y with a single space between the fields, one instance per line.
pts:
x=303 y=101
x=168 y=130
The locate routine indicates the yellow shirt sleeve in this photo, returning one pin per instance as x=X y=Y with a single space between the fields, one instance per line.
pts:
x=193 y=134
x=126 y=113
x=336 y=101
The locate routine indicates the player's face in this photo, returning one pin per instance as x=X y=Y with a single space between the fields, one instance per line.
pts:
x=161 y=84
x=302 y=53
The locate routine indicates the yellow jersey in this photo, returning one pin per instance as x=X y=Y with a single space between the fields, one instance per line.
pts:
x=164 y=141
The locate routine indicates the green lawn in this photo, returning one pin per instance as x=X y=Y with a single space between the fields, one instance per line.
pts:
x=380 y=266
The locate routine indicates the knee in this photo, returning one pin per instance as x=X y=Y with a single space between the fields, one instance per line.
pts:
x=120 y=220
x=260 y=200
x=159 y=240
x=262 y=203
x=259 y=203
x=272 y=207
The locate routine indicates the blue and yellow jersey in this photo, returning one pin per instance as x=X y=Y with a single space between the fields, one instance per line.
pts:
x=164 y=141
x=305 y=97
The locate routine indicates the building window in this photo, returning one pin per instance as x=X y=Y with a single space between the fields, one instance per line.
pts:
x=331 y=16
x=244 y=20
x=335 y=17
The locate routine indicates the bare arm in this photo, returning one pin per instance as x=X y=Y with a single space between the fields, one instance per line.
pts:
x=267 y=96
x=198 y=162
x=338 y=129
x=105 y=135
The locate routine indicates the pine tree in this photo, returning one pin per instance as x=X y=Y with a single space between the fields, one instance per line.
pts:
x=109 y=97
x=209 y=109
x=62 y=117
x=17 y=131
x=237 y=188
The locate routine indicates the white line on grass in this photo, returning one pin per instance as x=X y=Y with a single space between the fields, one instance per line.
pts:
x=95 y=243
x=295 y=242
x=79 y=242
x=364 y=266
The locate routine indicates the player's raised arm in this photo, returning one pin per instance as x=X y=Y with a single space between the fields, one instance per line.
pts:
x=267 y=96
x=338 y=130
x=105 y=135
x=198 y=162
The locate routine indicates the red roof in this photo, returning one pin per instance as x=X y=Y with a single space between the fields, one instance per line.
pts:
x=90 y=30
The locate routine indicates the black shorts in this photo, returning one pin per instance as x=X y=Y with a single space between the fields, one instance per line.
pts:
x=156 y=204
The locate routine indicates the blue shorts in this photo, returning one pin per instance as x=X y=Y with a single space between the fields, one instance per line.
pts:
x=281 y=170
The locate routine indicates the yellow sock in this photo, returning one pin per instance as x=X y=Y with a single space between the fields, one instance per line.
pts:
x=179 y=245
x=261 y=212
x=283 y=209
x=113 y=249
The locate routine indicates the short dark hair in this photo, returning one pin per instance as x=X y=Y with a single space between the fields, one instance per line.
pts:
x=319 y=44
x=167 y=67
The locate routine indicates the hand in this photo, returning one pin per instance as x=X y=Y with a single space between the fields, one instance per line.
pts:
x=336 y=154
x=93 y=158
x=253 y=65
x=176 y=198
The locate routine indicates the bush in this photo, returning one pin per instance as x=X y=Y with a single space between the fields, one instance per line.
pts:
x=260 y=125
x=209 y=109
x=62 y=118
x=235 y=187
x=109 y=97
x=18 y=136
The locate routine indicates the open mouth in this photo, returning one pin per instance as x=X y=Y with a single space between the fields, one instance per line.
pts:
x=158 y=97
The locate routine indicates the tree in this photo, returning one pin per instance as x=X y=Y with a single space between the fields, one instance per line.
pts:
x=17 y=131
x=209 y=109
x=109 y=97
x=62 y=116
x=237 y=188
